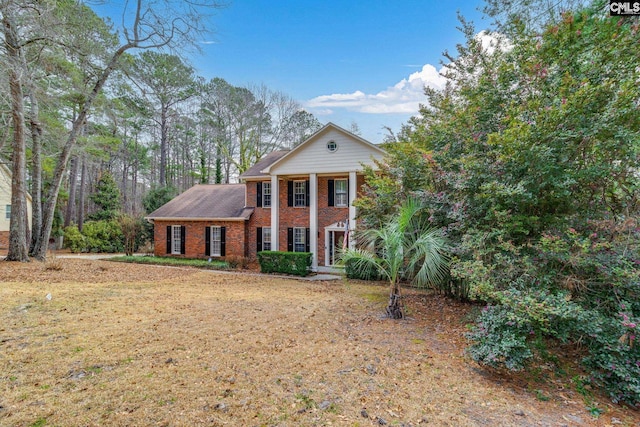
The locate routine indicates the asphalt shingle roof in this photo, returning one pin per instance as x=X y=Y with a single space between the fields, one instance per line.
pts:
x=265 y=162
x=207 y=201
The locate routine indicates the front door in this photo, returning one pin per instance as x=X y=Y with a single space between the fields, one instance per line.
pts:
x=335 y=243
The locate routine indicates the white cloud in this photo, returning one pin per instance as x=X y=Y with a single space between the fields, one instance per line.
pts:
x=405 y=96
x=402 y=98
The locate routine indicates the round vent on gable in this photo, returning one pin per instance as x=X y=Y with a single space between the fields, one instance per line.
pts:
x=332 y=146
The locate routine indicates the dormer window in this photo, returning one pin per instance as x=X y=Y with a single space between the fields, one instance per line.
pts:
x=332 y=146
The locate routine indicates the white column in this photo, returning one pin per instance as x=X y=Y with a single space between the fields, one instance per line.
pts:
x=275 y=208
x=313 y=220
x=353 y=187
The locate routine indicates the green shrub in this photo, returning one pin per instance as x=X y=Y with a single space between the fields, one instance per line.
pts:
x=296 y=263
x=74 y=240
x=103 y=236
x=614 y=356
x=499 y=340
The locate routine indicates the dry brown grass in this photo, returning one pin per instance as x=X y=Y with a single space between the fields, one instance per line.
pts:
x=134 y=345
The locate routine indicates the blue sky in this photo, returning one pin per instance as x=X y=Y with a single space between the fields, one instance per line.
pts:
x=344 y=60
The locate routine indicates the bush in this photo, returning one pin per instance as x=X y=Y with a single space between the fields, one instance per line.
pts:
x=74 y=240
x=134 y=232
x=614 y=357
x=237 y=262
x=581 y=285
x=296 y=263
x=103 y=236
x=499 y=340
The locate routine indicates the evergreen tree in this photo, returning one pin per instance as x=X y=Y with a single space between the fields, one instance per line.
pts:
x=106 y=198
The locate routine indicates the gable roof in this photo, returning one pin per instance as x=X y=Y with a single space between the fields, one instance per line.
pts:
x=206 y=202
x=255 y=171
x=362 y=154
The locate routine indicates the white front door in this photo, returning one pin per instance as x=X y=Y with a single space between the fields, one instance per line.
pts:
x=334 y=243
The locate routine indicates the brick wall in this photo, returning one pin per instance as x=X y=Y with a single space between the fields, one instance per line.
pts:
x=261 y=218
x=289 y=216
x=295 y=217
x=327 y=215
x=235 y=239
x=4 y=239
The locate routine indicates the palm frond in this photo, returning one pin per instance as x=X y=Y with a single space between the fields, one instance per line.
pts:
x=364 y=262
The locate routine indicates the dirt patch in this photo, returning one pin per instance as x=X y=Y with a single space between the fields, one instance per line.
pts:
x=100 y=343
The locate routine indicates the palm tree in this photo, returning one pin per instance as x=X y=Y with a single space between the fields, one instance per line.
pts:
x=406 y=247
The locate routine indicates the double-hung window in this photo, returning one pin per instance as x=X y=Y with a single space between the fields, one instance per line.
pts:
x=266 y=238
x=299 y=193
x=299 y=239
x=176 y=239
x=216 y=241
x=266 y=194
x=341 y=193
x=7 y=212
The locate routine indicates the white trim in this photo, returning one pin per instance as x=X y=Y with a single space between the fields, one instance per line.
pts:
x=313 y=220
x=264 y=229
x=296 y=187
x=264 y=183
x=275 y=210
x=213 y=228
x=353 y=188
x=297 y=232
x=335 y=227
x=173 y=240
x=346 y=193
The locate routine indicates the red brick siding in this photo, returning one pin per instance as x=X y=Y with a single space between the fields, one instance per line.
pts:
x=4 y=239
x=235 y=238
x=261 y=218
x=327 y=215
x=289 y=216
x=295 y=217
x=241 y=239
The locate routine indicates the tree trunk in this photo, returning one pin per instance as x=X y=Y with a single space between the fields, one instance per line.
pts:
x=18 y=249
x=83 y=193
x=163 y=146
x=134 y=178
x=71 y=215
x=394 y=309
x=36 y=169
x=40 y=250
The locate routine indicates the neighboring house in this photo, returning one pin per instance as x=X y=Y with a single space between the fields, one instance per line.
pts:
x=299 y=200
x=5 y=205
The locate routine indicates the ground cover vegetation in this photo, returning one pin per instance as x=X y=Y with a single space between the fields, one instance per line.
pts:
x=528 y=159
x=86 y=343
x=180 y=262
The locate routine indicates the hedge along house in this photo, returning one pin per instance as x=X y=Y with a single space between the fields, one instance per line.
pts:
x=299 y=200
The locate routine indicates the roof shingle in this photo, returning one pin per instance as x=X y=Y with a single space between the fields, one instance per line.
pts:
x=265 y=162
x=207 y=201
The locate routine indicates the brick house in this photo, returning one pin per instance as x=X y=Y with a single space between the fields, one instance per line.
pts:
x=299 y=200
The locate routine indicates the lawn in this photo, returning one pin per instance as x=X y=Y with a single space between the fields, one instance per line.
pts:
x=96 y=343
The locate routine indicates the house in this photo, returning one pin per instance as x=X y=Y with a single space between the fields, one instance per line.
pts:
x=299 y=200
x=5 y=205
